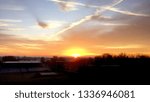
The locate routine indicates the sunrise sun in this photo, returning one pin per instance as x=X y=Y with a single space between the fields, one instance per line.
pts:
x=76 y=52
x=76 y=55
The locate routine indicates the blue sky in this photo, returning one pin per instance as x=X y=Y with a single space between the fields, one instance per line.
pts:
x=37 y=24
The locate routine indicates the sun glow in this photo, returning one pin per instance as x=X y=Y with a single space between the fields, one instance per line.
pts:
x=76 y=55
x=76 y=52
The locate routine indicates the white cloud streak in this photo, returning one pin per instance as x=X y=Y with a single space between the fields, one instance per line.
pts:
x=2 y=24
x=110 y=8
x=124 y=47
x=132 y=46
x=29 y=46
x=113 y=24
x=74 y=24
x=126 y=12
x=86 y=18
x=49 y=24
x=13 y=29
x=70 y=2
x=10 y=20
x=99 y=10
x=8 y=23
x=67 y=5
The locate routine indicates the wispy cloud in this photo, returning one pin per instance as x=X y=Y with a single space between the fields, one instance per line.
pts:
x=67 y=5
x=16 y=29
x=110 y=8
x=124 y=47
x=13 y=29
x=86 y=18
x=10 y=25
x=118 y=10
x=97 y=13
x=74 y=24
x=8 y=39
x=21 y=46
x=101 y=17
x=42 y=24
x=113 y=24
x=116 y=2
x=10 y=20
x=29 y=46
x=126 y=12
x=49 y=24
x=3 y=24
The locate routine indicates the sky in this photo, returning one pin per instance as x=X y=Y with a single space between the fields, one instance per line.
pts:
x=67 y=27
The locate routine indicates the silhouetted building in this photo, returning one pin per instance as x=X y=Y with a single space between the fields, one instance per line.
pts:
x=21 y=66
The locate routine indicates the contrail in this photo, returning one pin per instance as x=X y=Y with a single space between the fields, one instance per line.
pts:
x=82 y=4
x=86 y=18
x=74 y=24
x=103 y=7
x=74 y=3
x=97 y=12
x=126 y=12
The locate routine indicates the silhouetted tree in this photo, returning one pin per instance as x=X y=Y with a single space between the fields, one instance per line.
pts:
x=9 y=58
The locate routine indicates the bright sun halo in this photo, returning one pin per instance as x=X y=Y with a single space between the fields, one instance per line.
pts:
x=76 y=52
x=76 y=55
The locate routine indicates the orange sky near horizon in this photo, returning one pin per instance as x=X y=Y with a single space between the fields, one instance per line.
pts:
x=74 y=28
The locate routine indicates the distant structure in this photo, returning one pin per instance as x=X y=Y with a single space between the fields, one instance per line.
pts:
x=21 y=66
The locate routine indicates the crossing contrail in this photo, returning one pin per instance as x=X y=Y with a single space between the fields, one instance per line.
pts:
x=86 y=18
x=102 y=7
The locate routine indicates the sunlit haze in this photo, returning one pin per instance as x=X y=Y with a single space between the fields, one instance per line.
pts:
x=74 y=27
x=77 y=52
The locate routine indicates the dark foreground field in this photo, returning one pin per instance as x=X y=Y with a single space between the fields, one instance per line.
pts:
x=107 y=76
x=99 y=70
